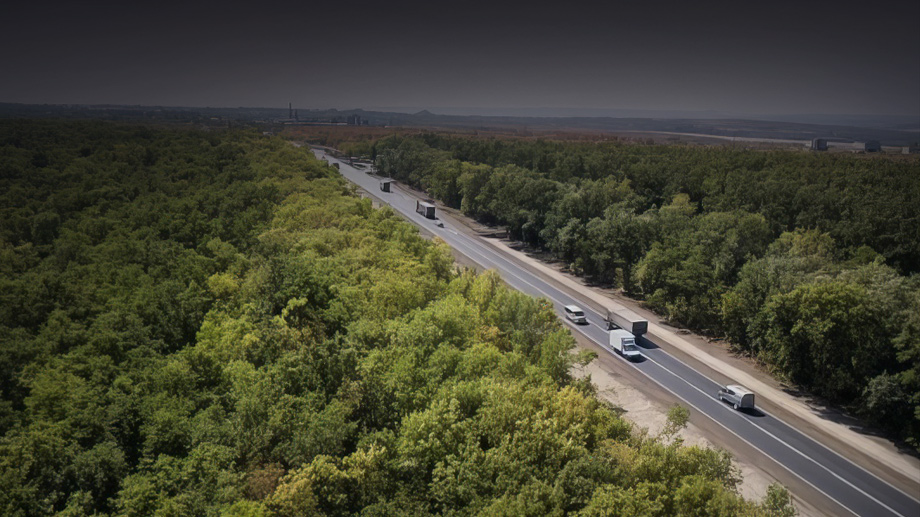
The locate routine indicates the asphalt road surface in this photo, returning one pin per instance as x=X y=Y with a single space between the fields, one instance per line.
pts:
x=853 y=489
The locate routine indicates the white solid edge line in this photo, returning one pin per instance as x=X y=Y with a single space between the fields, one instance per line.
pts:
x=743 y=439
x=723 y=425
x=634 y=366
x=508 y=263
x=790 y=426
x=768 y=433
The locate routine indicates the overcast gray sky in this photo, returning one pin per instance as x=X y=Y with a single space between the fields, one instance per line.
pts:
x=743 y=57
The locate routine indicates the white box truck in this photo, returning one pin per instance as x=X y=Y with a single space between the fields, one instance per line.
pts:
x=624 y=343
x=626 y=319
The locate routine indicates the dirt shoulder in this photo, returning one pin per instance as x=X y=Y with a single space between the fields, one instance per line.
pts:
x=878 y=455
x=646 y=406
x=826 y=425
x=834 y=429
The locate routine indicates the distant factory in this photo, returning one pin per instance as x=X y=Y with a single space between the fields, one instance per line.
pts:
x=866 y=147
x=293 y=119
x=356 y=120
x=873 y=146
x=819 y=144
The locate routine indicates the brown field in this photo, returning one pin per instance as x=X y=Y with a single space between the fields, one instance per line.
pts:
x=354 y=139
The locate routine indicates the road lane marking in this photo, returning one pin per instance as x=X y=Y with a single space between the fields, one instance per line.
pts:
x=778 y=439
x=711 y=417
x=803 y=435
x=791 y=427
x=504 y=263
x=743 y=439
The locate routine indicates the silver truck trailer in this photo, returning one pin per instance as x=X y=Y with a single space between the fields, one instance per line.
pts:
x=627 y=320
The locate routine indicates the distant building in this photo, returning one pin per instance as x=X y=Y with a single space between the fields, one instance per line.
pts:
x=873 y=146
x=819 y=144
x=911 y=149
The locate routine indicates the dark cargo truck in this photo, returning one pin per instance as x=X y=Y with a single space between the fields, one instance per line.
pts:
x=627 y=320
x=385 y=185
x=426 y=209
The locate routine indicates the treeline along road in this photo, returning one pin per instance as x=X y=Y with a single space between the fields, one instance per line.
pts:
x=806 y=261
x=212 y=323
x=844 y=482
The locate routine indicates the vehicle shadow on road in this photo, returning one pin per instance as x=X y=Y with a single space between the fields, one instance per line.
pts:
x=754 y=412
x=644 y=342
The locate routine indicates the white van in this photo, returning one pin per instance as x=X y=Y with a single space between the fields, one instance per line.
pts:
x=738 y=396
x=575 y=314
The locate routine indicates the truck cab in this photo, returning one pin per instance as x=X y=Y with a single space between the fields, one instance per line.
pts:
x=738 y=396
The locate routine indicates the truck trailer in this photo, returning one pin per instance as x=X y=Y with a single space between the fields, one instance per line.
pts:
x=426 y=209
x=624 y=343
x=627 y=320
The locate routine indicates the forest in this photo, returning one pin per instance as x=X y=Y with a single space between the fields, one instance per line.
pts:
x=807 y=262
x=213 y=323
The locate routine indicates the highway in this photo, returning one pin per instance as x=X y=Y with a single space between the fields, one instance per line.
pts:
x=853 y=489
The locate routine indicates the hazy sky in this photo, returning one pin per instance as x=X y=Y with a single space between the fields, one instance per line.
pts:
x=740 y=56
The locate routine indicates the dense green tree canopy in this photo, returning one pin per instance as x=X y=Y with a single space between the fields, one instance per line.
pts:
x=212 y=323
x=723 y=240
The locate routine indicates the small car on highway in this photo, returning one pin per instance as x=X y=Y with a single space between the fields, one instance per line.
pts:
x=575 y=314
x=738 y=396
